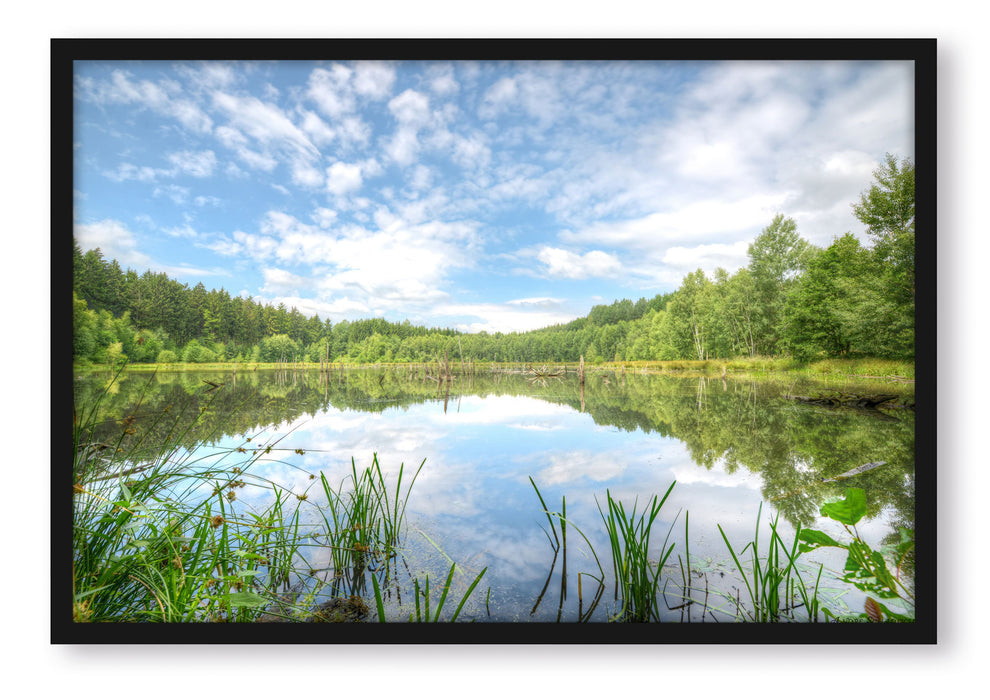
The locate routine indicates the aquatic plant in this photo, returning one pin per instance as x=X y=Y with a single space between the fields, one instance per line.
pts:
x=422 y=598
x=637 y=577
x=865 y=568
x=773 y=581
x=159 y=533
x=155 y=537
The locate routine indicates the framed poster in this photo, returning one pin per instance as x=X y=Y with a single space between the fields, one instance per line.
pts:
x=563 y=341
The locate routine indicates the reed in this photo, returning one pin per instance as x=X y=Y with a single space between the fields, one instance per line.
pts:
x=155 y=537
x=638 y=580
x=773 y=581
x=158 y=534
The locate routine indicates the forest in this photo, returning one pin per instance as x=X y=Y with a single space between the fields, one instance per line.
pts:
x=792 y=299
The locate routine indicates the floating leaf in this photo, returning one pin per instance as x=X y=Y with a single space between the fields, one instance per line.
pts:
x=247 y=600
x=848 y=511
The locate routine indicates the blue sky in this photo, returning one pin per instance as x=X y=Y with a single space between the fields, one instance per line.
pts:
x=496 y=196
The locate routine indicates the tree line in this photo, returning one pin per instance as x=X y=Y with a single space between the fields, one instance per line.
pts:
x=792 y=298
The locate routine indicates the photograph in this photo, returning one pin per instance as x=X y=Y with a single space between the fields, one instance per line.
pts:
x=536 y=341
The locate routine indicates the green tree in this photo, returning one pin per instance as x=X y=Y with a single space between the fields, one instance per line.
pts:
x=83 y=330
x=823 y=310
x=887 y=211
x=776 y=258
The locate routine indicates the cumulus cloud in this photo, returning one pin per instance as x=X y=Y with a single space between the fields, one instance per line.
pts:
x=330 y=90
x=497 y=97
x=564 y=263
x=410 y=108
x=373 y=79
x=343 y=178
x=441 y=80
x=114 y=240
x=507 y=317
x=281 y=282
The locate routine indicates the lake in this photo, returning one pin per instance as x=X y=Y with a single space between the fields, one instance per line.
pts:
x=739 y=451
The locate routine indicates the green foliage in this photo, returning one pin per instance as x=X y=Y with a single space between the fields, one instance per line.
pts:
x=772 y=578
x=846 y=301
x=865 y=568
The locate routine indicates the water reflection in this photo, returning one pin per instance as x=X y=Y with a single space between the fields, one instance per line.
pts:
x=729 y=445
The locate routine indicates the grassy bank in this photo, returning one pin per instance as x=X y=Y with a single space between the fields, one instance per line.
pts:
x=858 y=368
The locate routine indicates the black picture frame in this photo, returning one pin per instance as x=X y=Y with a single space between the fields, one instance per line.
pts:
x=923 y=52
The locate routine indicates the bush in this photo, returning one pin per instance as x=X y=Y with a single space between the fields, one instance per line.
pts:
x=166 y=357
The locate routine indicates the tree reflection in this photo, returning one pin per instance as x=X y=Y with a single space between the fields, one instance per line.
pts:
x=734 y=425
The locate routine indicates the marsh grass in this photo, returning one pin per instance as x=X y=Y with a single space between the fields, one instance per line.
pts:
x=637 y=577
x=160 y=535
x=155 y=533
x=363 y=522
x=773 y=580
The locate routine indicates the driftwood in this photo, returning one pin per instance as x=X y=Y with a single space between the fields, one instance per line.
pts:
x=855 y=400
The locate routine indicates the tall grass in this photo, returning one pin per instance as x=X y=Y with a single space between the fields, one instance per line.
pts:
x=363 y=522
x=159 y=534
x=637 y=578
x=155 y=536
x=773 y=581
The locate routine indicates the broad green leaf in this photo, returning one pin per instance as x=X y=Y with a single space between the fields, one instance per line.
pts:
x=849 y=510
x=247 y=599
x=867 y=570
x=814 y=539
x=246 y=572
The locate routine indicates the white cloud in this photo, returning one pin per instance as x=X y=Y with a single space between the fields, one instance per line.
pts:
x=411 y=108
x=680 y=260
x=508 y=317
x=497 y=97
x=441 y=79
x=373 y=79
x=177 y=193
x=404 y=146
x=702 y=219
x=563 y=263
x=144 y=173
x=330 y=90
x=305 y=174
x=186 y=231
x=121 y=89
x=316 y=128
x=236 y=141
x=194 y=163
x=281 y=282
x=114 y=240
x=264 y=122
x=324 y=217
x=343 y=178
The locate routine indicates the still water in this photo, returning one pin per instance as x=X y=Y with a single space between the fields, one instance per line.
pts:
x=739 y=452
